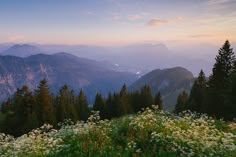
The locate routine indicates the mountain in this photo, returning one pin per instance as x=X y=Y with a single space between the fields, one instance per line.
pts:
x=59 y=69
x=138 y=58
x=170 y=82
x=23 y=50
x=144 y=57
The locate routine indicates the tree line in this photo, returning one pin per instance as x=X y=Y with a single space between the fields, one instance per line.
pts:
x=216 y=95
x=27 y=110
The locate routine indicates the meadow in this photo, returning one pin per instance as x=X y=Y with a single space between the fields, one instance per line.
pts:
x=148 y=133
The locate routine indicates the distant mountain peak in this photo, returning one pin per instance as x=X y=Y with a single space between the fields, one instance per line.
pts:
x=22 y=50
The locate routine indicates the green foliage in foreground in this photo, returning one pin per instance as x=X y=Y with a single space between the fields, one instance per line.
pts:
x=148 y=133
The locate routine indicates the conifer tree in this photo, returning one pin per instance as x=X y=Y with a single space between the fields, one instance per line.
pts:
x=197 y=94
x=124 y=105
x=82 y=106
x=181 y=104
x=65 y=105
x=109 y=107
x=135 y=100
x=219 y=81
x=45 y=110
x=158 y=101
x=99 y=105
x=146 y=98
x=18 y=117
x=230 y=97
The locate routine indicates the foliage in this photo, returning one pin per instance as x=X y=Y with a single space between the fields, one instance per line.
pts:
x=216 y=96
x=158 y=101
x=149 y=133
x=197 y=95
x=219 y=80
x=182 y=102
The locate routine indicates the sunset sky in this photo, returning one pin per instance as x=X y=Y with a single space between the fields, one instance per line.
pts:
x=117 y=21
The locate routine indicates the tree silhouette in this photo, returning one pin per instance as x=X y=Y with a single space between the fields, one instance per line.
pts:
x=219 y=80
x=198 y=94
x=158 y=101
x=46 y=113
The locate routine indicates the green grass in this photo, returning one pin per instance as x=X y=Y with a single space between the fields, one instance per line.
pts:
x=148 y=133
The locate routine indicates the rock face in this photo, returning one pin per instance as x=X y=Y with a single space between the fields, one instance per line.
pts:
x=170 y=82
x=59 y=69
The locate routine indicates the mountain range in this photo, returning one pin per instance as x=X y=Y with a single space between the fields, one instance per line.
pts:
x=59 y=69
x=25 y=64
x=137 y=58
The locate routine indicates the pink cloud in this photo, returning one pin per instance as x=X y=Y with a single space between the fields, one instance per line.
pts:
x=15 y=38
x=156 y=22
x=135 y=17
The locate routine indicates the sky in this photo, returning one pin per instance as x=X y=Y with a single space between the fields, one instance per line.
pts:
x=111 y=22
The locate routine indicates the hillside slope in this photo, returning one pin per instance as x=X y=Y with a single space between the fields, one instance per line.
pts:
x=170 y=82
x=59 y=69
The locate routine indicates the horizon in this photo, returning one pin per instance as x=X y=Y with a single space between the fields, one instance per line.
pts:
x=112 y=23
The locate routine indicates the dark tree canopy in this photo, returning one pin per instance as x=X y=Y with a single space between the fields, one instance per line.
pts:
x=158 y=101
x=182 y=101
x=219 y=81
x=198 y=94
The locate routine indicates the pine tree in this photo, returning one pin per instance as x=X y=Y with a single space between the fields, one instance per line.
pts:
x=82 y=106
x=45 y=110
x=146 y=98
x=99 y=105
x=181 y=104
x=158 y=101
x=19 y=114
x=124 y=105
x=197 y=94
x=135 y=100
x=219 y=81
x=230 y=97
x=65 y=105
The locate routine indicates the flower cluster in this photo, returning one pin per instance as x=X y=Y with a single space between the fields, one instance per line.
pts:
x=148 y=133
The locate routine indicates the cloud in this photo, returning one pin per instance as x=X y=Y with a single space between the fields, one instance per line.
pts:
x=157 y=22
x=221 y=6
x=135 y=17
x=200 y=35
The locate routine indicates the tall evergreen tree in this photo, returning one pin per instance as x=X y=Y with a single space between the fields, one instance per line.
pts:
x=158 y=101
x=230 y=97
x=82 y=106
x=46 y=112
x=18 y=117
x=182 y=101
x=135 y=100
x=109 y=107
x=198 y=94
x=146 y=98
x=219 y=81
x=65 y=105
x=124 y=105
x=99 y=105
